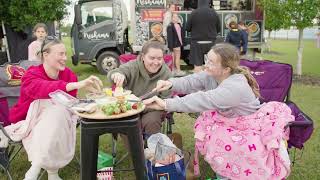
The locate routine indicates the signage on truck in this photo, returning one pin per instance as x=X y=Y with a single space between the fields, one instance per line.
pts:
x=96 y=35
x=150 y=4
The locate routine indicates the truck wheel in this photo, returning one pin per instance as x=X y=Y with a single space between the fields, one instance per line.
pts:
x=107 y=61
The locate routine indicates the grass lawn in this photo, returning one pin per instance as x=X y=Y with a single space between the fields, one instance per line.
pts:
x=286 y=51
x=307 y=97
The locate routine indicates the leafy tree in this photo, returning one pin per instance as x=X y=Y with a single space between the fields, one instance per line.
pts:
x=302 y=13
x=22 y=13
x=275 y=18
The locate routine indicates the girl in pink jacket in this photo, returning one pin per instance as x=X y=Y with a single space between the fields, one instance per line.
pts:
x=47 y=129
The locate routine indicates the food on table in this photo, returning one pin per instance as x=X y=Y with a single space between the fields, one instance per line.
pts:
x=118 y=91
x=108 y=91
x=95 y=95
x=120 y=107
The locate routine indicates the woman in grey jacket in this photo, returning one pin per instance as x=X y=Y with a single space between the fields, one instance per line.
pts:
x=223 y=86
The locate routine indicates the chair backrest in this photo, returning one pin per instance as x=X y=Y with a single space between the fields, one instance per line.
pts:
x=274 y=78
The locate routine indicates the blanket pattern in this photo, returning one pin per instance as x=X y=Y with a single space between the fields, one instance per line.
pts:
x=246 y=147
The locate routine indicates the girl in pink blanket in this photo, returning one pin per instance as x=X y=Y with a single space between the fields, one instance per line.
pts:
x=47 y=129
x=238 y=137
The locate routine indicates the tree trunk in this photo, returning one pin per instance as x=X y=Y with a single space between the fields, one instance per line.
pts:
x=269 y=34
x=300 y=50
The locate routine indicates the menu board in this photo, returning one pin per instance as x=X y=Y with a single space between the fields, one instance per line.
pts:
x=148 y=17
x=255 y=30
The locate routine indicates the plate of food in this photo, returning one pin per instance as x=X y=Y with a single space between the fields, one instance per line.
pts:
x=123 y=106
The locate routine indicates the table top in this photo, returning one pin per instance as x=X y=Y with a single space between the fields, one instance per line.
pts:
x=99 y=115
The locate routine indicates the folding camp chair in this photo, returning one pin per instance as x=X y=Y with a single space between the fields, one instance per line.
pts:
x=275 y=81
x=10 y=76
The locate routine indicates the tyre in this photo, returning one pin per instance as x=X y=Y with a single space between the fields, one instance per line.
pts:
x=107 y=61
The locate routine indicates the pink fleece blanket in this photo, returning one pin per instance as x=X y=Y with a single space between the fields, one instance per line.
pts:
x=247 y=147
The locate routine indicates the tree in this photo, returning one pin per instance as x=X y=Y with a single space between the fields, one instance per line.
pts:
x=302 y=13
x=19 y=14
x=275 y=18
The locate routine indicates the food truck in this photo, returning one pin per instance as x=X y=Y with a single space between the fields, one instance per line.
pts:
x=148 y=14
x=99 y=32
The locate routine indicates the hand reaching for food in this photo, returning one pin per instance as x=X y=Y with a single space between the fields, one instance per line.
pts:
x=155 y=103
x=118 y=79
x=91 y=84
x=162 y=86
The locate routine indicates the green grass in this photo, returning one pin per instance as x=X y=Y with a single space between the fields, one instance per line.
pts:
x=286 y=52
x=307 y=98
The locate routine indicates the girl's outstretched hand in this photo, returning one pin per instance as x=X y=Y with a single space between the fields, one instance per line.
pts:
x=162 y=86
x=155 y=103
x=91 y=84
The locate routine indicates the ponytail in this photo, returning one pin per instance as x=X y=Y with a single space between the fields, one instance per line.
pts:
x=251 y=80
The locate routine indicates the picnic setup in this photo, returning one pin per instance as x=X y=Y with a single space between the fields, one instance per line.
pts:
x=158 y=90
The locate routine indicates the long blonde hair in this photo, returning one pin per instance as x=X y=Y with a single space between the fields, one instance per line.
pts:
x=230 y=57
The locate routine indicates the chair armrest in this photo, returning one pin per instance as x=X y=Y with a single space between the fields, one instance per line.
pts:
x=5 y=132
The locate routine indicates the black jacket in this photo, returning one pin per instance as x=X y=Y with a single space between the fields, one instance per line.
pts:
x=172 y=36
x=235 y=37
x=203 y=23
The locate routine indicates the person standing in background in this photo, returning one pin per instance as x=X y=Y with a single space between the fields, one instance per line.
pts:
x=204 y=25
x=167 y=19
x=245 y=35
x=235 y=36
x=175 y=40
x=40 y=31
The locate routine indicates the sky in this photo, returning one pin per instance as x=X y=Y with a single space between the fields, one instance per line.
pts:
x=69 y=19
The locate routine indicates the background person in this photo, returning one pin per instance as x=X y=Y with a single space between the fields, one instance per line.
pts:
x=233 y=125
x=175 y=39
x=167 y=17
x=204 y=25
x=236 y=37
x=50 y=135
x=141 y=77
x=40 y=31
x=244 y=31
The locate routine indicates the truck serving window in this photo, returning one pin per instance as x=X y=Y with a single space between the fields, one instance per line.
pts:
x=95 y=12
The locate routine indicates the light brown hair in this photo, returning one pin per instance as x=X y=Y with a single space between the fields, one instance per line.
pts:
x=229 y=57
x=233 y=25
x=40 y=25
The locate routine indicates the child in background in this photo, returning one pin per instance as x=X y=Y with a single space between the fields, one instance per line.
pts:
x=40 y=31
x=244 y=31
x=235 y=37
x=175 y=38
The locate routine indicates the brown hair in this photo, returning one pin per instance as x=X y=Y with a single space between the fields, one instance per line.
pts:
x=40 y=25
x=233 y=25
x=229 y=57
x=155 y=44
